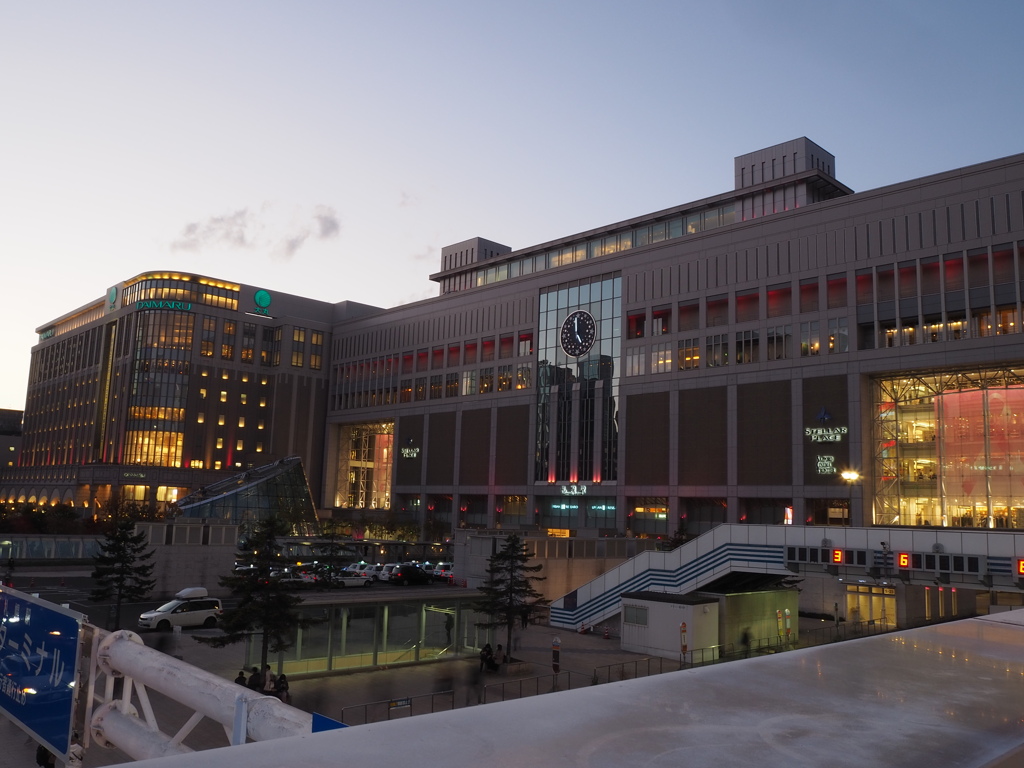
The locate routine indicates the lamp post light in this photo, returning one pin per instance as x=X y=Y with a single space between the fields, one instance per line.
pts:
x=850 y=476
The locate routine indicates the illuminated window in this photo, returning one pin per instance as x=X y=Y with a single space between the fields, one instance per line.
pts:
x=504 y=378
x=243 y=397
x=259 y=424
x=241 y=421
x=524 y=376
x=689 y=355
x=220 y=442
x=223 y=396
x=263 y=402
x=202 y=394
x=200 y=418
x=238 y=445
x=216 y=465
x=220 y=420
x=661 y=357
x=259 y=447
x=225 y=374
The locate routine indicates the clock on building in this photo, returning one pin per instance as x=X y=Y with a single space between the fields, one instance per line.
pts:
x=579 y=332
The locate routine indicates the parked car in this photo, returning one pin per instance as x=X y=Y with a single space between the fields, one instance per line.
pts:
x=442 y=572
x=371 y=571
x=385 y=571
x=192 y=607
x=353 y=580
x=294 y=579
x=406 y=575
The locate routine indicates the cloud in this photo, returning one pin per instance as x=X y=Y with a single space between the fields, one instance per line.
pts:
x=262 y=230
x=233 y=229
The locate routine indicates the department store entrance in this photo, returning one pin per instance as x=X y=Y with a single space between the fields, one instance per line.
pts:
x=870 y=604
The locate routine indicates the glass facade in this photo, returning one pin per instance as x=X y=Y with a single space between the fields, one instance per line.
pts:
x=279 y=489
x=159 y=390
x=577 y=397
x=365 y=464
x=348 y=637
x=950 y=449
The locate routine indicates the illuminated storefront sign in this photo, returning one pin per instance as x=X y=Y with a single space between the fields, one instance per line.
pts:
x=825 y=434
x=47 y=334
x=574 y=490
x=410 y=453
x=182 y=306
x=826 y=464
x=262 y=301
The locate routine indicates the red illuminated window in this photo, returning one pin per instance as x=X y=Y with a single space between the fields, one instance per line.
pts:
x=903 y=560
x=837 y=556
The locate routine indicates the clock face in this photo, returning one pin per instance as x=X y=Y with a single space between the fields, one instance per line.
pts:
x=579 y=332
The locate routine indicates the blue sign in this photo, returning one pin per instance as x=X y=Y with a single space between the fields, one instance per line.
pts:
x=323 y=723
x=38 y=666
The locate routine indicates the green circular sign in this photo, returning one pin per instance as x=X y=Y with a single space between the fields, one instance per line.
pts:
x=262 y=299
x=112 y=296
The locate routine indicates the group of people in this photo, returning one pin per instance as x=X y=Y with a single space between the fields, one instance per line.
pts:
x=491 y=660
x=266 y=682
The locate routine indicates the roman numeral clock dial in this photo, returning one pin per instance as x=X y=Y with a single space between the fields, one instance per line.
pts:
x=579 y=332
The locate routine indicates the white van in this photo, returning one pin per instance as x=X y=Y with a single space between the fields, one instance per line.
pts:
x=192 y=607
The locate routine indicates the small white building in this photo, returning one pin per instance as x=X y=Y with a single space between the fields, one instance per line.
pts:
x=670 y=625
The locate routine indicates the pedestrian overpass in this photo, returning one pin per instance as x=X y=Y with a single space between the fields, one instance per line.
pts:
x=978 y=559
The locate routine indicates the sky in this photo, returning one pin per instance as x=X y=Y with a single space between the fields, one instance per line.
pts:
x=331 y=149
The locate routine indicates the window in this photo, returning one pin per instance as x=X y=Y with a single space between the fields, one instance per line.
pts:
x=487 y=350
x=451 y=385
x=209 y=336
x=405 y=391
x=689 y=316
x=486 y=380
x=227 y=342
x=239 y=445
x=422 y=360
x=636 y=323
x=525 y=343
x=635 y=361
x=220 y=420
x=524 y=376
x=780 y=300
x=838 y=336
x=200 y=418
x=470 y=355
x=454 y=350
x=718 y=311
x=717 y=351
x=747 y=350
x=777 y=341
x=421 y=388
x=835 y=287
x=316 y=351
x=504 y=378
x=689 y=354
x=241 y=422
x=748 y=306
x=220 y=442
x=407 y=362
x=469 y=382
x=223 y=396
x=248 y=342
x=661 y=357
x=436 y=390
x=506 y=346
x=634 y=614
x=809 y=295
x=661 y=321
x=810 y=339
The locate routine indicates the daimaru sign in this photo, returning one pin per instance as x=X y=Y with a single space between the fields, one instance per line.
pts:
x=183 y=306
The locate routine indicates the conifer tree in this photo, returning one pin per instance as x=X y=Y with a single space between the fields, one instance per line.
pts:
x=509 y=591
x=122 y=568
x=265 y=607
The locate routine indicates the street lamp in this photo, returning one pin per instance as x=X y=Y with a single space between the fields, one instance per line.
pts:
x=850 y=476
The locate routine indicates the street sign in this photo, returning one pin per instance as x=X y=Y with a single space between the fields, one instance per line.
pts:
x=38 y=667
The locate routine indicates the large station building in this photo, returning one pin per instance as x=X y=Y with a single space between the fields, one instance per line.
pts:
x=722 y=361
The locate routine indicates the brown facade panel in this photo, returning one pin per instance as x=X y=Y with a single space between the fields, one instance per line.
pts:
x=703 y=437
x=512 y=449
x=441 y=449
x=475 y=447
x=764 y=450
x=647 y=439
x=408 y=460
x=825 y=423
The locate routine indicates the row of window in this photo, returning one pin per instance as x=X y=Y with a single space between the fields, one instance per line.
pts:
x=747 y=348
x=270 y=351
x=504 y=378
x=606 y=245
